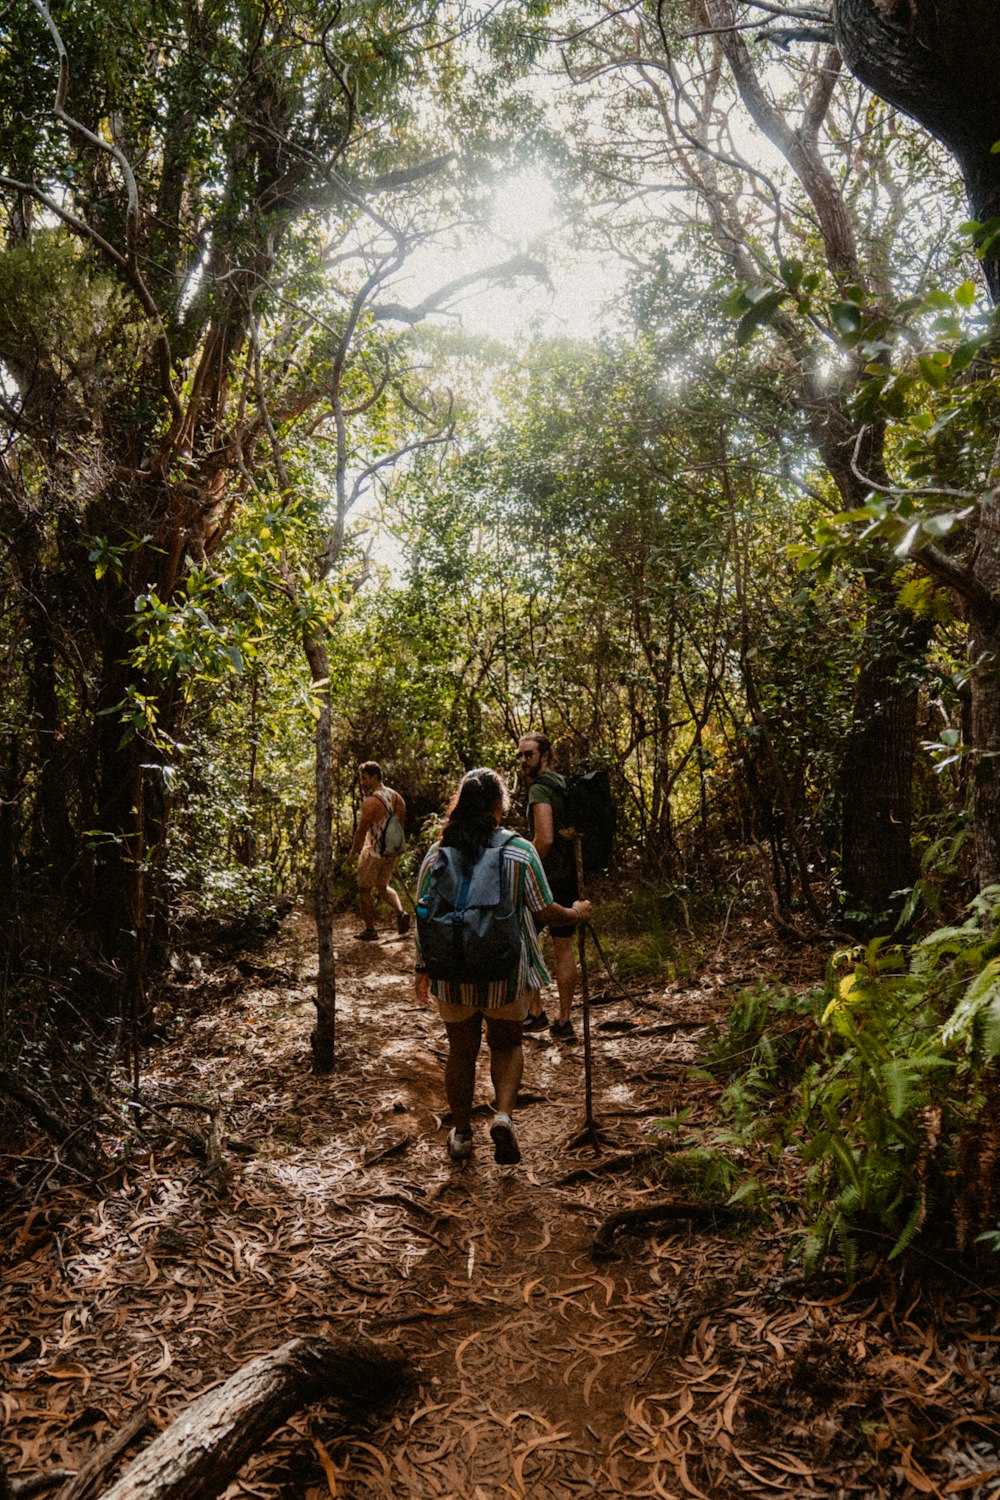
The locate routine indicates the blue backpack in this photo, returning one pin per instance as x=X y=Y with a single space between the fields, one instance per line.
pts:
x=468 y=928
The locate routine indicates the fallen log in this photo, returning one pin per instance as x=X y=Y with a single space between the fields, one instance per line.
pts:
x=204 y=1448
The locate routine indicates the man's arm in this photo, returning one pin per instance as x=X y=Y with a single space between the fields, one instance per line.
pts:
x=543 y=827
x=369 y=811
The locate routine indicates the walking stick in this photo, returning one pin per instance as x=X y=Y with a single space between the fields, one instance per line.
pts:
x=623 y=992
x=588 y=1134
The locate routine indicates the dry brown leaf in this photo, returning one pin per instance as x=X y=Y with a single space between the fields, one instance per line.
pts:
x=970 y=1482
x=70 y=1372
x=729 y=1410
x=915 y=1474
x=329 y=1468
x=689 y=1486
x=765 y=1479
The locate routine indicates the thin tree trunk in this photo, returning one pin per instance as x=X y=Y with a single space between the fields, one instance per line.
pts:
x=325 y=1035
x=984 y=653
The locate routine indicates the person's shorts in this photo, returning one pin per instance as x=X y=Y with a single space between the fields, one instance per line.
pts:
x=515 y=1011
x=564 y=892
x=374 y=873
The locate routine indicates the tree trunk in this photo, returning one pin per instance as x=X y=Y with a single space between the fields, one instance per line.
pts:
x=325 y=1035
x=10 y=787
x=876 y=832
x=877 y=781
x=939 y=63
x=53 y=841
x=204 y=1449
x=984 y=653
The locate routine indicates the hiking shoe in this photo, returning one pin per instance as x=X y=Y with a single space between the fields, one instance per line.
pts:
x=535 y=1023
x=402 y=922
x=563 y=1031
x=459 y=1144
x=368 y=936
x=505 y=1148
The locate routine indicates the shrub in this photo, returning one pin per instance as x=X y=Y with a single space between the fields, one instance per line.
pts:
x=881 y=1089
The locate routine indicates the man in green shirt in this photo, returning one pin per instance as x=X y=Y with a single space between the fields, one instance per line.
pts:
x=553 y=841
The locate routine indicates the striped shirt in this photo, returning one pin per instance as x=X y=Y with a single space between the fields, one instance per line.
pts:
x=528 y=889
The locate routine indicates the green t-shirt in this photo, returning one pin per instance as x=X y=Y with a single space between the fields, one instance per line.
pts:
x=559 y=863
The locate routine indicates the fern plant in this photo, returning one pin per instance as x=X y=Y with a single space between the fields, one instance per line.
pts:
x=888 y=1089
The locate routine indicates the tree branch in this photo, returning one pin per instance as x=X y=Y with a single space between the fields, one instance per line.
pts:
x=798 y=149
x=519 y=265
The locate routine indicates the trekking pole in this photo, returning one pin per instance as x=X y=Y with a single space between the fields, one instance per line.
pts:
x=406 y=893
x=588 y=1133
x=607 y=962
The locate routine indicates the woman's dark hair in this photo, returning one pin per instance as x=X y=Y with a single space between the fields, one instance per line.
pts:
x=470 y=814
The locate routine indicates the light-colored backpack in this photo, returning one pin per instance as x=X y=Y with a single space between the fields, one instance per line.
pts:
x=392 y=835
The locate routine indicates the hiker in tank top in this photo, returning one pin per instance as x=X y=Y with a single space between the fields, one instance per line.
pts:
x=374 y=869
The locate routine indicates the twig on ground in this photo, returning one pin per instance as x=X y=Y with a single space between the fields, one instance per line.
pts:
x=91 y=1473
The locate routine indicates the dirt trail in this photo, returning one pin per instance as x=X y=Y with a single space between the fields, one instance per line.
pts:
x=686 y=1367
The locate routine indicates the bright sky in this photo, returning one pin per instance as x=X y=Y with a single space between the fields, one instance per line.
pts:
x=527 y=219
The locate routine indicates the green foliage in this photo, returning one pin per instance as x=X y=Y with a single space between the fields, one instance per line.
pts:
x=872 y=1083
x=929 y=369
x=568 y=567
x=708 y=1173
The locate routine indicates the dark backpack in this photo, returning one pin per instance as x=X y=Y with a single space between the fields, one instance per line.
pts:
x=469 y=931
x=591 y=810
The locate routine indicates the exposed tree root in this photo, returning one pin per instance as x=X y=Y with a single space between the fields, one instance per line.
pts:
x=54 y=1126
x=617 y=1163
x=655 y=1213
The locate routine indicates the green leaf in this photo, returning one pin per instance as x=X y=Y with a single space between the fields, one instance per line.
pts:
x=991 y=1027
x=761 y=311
x=791 y=272
x=934 y=370
x=984 y=990
x=911 y=1229
x=846 y=318
x=964 y=354
x=898 y=1085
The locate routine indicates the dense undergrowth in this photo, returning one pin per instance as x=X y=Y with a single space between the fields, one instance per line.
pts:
x=881 y=1086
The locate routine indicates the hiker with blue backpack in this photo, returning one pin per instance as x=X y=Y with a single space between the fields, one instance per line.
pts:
x=378 y=842
x=477 y=951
